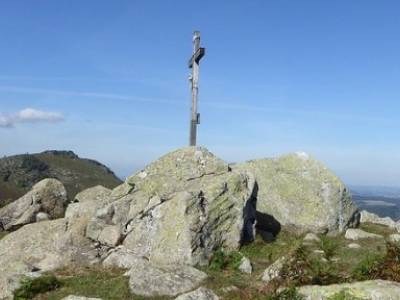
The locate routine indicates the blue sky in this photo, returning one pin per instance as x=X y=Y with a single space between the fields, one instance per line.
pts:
x=108 y=79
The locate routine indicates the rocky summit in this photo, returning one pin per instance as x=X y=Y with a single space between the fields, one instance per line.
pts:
x=185 y=227
x=178 y=210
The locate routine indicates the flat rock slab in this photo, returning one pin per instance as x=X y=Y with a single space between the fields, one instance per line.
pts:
x=366 y=290
x=357 y=234
x=199 y=294
x=149 y=280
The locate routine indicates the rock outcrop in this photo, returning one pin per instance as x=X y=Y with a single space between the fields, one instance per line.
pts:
x=178 y=210
x=38 y=248
x=299 y=191
x=46 y=200
x=368 y=290
x=368 y=217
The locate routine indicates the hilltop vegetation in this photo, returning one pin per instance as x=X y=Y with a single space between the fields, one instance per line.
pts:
x=20 y=172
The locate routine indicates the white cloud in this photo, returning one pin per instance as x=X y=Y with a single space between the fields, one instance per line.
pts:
x=29 y=115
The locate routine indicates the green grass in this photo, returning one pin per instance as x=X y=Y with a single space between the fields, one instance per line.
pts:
x=262 y=254
x=107 y=284
x=343 y=295
x=225 y=260
x=30 y=287
x=330 y=245
x=377 y=229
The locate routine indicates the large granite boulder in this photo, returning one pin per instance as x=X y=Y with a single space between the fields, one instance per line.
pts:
x=366 y=290
x=179 y=209
x=46 y=200
x=40 y=247
x=299 y=191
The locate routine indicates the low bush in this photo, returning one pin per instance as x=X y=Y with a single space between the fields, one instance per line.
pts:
x=222 y=260
x=329 y=245
x=30 y=287
x=368 y=268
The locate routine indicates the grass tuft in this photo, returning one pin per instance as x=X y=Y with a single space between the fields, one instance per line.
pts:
x=30 y=287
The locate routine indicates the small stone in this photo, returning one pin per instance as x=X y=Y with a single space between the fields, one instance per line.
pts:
x=274 y=270
x=318 y=251
x=41 y=216
x=354 y=246
x=356 y=234
x=245 y=265
x=229 y=289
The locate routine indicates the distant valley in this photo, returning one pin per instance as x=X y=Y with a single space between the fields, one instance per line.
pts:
x=383 y=207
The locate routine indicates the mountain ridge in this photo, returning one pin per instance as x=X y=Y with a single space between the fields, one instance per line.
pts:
x=18 y=173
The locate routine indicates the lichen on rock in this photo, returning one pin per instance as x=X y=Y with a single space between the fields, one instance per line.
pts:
x=301 y=192
x=179 y=209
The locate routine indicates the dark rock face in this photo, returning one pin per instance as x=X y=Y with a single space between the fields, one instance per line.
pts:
x=19 y=173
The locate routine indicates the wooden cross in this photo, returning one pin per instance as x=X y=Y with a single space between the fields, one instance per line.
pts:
x=194 y=61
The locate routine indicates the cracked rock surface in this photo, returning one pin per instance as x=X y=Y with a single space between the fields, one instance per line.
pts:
x=177 y=210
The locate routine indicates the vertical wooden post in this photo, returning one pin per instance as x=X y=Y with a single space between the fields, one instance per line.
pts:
x=198 y=53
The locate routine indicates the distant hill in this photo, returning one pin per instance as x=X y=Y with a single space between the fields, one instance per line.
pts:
x=382 y=206
x=375 y=191
x=20 y=172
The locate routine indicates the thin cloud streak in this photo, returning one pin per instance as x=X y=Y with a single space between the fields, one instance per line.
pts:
x=88 y=95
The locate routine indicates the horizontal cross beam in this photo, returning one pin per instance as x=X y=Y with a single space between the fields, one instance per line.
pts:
x=197 y=56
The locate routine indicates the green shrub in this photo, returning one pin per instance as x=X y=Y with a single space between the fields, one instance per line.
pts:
x=222 y=260
x=368 y=267
x=329 y=246
x=303 y=269
x=30 y=287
